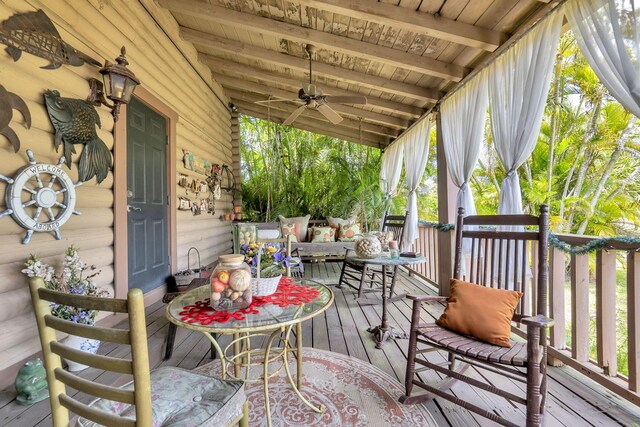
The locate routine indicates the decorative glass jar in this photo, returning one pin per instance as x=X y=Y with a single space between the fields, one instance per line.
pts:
x=368 y=246
x=231 y=284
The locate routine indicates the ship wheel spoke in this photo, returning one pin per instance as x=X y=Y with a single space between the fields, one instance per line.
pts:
x=28 y=190
x=52 y=216
x=29 y=203
x=62 y=190
x=61 y=205
x=53 y=179
x=39 y=180
x=37 y=214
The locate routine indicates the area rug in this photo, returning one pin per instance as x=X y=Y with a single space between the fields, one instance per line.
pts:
x=354 y=392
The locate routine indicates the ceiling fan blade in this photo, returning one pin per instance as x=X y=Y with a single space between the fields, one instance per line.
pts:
x=328 y=112
x=346 y=99
x=268 y=101
x=294 y=115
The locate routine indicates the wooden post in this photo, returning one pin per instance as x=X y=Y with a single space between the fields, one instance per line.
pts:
x=446 y=214
x=606 y=311
x=235 y=155
x=580 y=307
x=633 y=318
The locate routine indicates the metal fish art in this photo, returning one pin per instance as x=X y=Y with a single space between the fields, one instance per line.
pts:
x=8 y=102
x=34 y=33
x=75 y=122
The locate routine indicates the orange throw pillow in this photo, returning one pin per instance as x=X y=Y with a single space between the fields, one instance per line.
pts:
x=481 y=312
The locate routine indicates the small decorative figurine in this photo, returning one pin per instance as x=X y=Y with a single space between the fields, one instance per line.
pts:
x=31 y=383
x=75 y=122
x=9 y=102
x=44 y=196
x=34 y=33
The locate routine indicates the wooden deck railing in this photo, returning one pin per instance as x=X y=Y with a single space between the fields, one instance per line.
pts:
x=592 y=331
x=427 y=244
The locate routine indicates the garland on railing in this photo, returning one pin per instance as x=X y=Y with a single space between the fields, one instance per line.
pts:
x=438 y=226
x=591 y=246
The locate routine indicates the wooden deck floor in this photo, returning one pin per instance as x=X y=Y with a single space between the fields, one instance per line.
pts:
x=573 y=400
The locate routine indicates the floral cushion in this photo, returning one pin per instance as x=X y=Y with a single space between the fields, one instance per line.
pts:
x=337 y=222
x=244 y=235
x=348 y=232
x=182 y=398
x=297 y=227
x=322 y=234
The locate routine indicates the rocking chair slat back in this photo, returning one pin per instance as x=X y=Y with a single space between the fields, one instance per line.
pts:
x=394 y=224
x=499 y=252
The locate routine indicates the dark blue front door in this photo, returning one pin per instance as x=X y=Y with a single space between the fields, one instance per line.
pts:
x=147 y=197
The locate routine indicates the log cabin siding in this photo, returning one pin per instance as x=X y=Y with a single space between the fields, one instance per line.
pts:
x=168 y=69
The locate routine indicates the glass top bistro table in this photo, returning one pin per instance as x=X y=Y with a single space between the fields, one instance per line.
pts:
x=385 y=331
x=272 y=317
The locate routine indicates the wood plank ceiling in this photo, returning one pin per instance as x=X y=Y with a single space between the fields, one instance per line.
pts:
x=403 y=55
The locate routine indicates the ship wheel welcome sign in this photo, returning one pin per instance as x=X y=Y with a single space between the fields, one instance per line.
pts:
x=40 y=198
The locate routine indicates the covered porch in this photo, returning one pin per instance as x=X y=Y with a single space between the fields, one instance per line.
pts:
x=573 y=399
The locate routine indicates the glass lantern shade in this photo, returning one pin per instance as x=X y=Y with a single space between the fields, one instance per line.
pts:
x=119 y=81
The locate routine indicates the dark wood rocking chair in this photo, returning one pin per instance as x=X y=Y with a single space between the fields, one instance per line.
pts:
x=356 y=275
x=499 y=259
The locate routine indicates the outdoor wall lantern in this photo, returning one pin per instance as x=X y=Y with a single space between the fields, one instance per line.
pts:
x=119 y=84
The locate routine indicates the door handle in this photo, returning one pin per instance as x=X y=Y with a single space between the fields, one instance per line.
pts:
x=133 y=209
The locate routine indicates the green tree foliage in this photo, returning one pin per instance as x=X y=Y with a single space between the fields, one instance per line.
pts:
x=290 y=172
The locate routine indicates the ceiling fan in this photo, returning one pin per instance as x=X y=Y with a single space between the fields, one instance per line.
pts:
x=312 y=97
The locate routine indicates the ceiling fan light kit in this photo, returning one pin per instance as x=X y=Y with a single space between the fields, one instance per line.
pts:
x=312 y=97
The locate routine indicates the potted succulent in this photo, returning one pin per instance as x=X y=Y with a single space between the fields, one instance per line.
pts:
x=76 y=278
x=268 y=262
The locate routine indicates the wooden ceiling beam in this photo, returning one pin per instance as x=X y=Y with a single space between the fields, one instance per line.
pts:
x=226 y=67
x=246 y=85
x=286 y=107
x=234 y=47
x=311 y=126
x=411 y=20
x=329 y=41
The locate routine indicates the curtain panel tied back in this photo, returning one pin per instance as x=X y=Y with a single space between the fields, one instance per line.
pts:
x=519 y=83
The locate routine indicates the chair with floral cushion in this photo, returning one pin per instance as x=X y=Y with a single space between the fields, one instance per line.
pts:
x=357 y=275
x=166 y=396
x=499 y=287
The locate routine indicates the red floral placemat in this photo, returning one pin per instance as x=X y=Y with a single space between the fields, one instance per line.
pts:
x=288 y=293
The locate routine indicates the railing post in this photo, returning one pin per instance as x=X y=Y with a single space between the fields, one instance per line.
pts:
x=606 y=311
x=633 y=317
x=580 y=307
x=557 y=281
x=446 y=213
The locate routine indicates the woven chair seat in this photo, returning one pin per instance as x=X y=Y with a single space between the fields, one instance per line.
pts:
x=516 y=355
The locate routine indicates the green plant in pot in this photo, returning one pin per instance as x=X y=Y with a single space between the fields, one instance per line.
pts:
x=76 y=278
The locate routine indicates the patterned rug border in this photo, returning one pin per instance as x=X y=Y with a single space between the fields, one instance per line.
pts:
x=372 y=390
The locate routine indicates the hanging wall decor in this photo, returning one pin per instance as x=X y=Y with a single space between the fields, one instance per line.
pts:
x=75 y=122
x=195 y=163
x=9 y=102
x=34 y=33
x=49 y=202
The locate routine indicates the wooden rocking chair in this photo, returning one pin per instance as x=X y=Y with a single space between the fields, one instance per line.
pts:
x=356 y=275
x=499 y=259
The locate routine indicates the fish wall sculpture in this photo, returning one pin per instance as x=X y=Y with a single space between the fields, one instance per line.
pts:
x=34 y=33
x=75 y=122
x=8 y=102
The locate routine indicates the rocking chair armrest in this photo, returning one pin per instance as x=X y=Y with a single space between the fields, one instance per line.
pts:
x=538 y=321
x=424 y=298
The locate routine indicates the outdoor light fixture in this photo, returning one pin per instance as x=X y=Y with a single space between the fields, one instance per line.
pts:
x=119 y=84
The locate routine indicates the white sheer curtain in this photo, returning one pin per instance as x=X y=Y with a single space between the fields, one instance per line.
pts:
x=416 y=152
x=518 y=85
x=391 y=169
x=463 y=117
x=607 y=33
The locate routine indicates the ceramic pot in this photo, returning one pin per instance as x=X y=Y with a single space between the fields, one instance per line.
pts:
x=80 y=343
